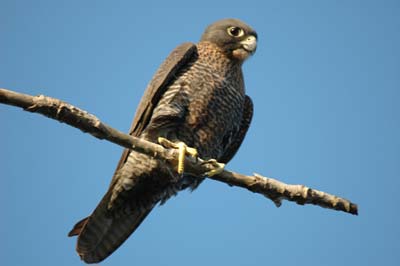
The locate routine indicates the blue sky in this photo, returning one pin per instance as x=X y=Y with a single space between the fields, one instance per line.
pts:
x=325 y=83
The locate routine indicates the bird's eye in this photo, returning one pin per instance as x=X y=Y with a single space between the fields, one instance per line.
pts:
x=235 y=31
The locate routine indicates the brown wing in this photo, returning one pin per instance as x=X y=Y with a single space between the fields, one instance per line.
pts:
x=179 y=57
x=100 y=234
x=233 y=147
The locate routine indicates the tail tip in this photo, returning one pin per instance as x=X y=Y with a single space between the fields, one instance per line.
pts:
x=76 y=230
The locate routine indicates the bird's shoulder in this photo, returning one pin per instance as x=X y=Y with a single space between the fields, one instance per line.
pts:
x=166 y=73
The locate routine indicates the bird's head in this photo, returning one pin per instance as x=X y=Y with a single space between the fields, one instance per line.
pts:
x=235 y=38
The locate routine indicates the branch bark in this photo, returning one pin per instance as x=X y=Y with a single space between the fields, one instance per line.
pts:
x=272 y=189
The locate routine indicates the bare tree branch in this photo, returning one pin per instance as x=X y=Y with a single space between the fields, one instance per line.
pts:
x=269 y=187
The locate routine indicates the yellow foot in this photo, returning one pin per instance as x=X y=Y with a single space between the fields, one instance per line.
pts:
x=183 y=150
x=218 y=167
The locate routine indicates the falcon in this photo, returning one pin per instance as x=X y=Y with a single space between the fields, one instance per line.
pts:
x=196 y=102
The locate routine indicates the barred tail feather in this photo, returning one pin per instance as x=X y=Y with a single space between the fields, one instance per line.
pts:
x=99 y=235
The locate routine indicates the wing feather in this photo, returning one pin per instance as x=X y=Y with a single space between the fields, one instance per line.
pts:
x=102 y=232
x=233 y=147
x=166 y=73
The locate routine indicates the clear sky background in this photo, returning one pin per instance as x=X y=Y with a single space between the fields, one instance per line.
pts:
x=325 y=82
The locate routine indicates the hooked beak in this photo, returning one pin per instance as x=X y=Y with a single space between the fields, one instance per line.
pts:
x=249 y=44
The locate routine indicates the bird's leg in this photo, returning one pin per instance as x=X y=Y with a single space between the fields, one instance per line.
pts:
x=183 y=150
x=218 y=167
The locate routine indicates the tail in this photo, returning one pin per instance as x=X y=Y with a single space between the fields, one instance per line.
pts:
x=99 y=235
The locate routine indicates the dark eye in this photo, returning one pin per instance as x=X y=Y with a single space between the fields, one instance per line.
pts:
x=235 y=31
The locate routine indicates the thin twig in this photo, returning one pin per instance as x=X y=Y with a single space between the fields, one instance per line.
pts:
x=269 y=187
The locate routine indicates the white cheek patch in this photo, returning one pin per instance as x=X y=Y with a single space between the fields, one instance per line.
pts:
x=240 y=54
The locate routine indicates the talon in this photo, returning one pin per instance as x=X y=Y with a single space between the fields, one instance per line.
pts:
x=166 y=143
x=183 y=150
x=218 y=167
x=192 y=152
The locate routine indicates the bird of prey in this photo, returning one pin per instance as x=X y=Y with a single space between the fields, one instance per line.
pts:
x=196 y=101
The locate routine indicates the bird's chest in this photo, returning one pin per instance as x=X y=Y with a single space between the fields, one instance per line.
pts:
x=214 y=107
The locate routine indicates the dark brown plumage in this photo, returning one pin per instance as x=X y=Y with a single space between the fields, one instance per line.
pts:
x=197 y=96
